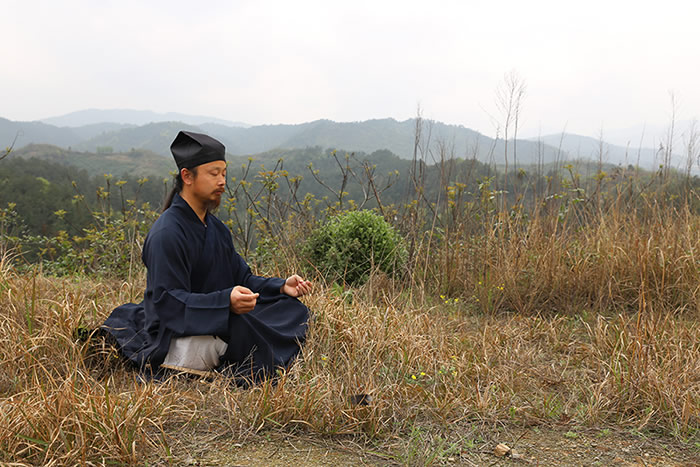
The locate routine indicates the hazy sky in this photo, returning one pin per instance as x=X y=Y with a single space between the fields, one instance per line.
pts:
x=587 y=65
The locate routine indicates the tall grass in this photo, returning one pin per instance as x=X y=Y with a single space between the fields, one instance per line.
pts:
x=615 y=262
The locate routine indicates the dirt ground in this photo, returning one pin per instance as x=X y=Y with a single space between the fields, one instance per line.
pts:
x=532 y=446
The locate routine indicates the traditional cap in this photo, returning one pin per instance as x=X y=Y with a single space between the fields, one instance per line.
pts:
x=192 y=149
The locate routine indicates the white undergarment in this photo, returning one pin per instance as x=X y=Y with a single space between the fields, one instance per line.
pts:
x=195 y=352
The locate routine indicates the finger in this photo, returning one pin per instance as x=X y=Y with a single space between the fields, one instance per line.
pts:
x=246 y=295
x=245 y=306
x=247 y=299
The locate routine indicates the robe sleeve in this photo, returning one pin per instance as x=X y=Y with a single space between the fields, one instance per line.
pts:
x=263 y=285
x=169 y=264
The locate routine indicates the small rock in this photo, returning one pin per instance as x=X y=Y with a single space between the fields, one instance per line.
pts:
x=501 y=450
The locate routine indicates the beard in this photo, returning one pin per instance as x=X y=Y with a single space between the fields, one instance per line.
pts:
x=213 y=204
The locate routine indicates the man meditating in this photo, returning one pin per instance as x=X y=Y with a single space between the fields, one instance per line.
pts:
x=203 y=308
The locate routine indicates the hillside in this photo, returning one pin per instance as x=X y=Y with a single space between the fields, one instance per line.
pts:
x=584 y=147
x=437 y=140
x=135 y=162
x=24 y=133
x=94 y=129
x=154 y=137
x=564 y=323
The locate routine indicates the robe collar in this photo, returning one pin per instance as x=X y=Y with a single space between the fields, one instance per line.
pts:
x=180 y=203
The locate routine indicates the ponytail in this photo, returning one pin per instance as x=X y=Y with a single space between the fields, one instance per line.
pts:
x=177 y=188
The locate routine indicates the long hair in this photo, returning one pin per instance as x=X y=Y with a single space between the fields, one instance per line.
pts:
x=177 y=188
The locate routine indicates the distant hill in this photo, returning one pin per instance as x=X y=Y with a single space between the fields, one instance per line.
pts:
x=437 y=140
x=584 y=147
x=131 y=117
x=90 y=131
x=24 y=133
x=155 y=137
x=368 y=136
x=138 y=162
x=646 y=135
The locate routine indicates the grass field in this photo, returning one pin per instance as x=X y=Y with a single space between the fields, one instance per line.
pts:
x=441 y=372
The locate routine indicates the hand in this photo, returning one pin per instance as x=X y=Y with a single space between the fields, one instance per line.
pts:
x=242 y=300
x=295 y=286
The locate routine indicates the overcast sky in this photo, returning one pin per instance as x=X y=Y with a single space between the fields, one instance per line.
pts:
x=587 y=65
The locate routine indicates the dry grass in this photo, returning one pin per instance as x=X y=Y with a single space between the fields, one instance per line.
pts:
x=618 y=261
x=428 y=365
x=540 y=321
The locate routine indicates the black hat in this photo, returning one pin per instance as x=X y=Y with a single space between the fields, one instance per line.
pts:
x=192 y=149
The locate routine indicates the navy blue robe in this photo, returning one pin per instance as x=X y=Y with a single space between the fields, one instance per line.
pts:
x=192 y=268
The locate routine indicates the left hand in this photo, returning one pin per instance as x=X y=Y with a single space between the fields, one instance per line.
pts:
x=295 y=286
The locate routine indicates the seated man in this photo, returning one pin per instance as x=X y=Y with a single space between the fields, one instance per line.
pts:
x=203 y=308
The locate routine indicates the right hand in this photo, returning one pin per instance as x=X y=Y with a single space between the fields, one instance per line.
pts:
x=242 y=300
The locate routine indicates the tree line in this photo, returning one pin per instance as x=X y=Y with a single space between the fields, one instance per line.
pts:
x=49 y=197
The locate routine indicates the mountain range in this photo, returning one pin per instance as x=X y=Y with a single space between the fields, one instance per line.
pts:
x=131 y=117
x=587 y=148
x=122 y=131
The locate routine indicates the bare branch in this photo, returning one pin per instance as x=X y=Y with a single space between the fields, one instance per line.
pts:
x=9 y=149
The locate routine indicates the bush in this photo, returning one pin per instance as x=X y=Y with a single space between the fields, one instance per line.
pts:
x=350 y=245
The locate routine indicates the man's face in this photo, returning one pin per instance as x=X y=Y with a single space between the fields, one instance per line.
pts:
x=209 y=183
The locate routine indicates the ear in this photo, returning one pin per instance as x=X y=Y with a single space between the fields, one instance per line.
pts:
x=187 y=176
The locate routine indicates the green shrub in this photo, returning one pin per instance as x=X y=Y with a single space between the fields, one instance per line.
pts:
x=349 y=245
